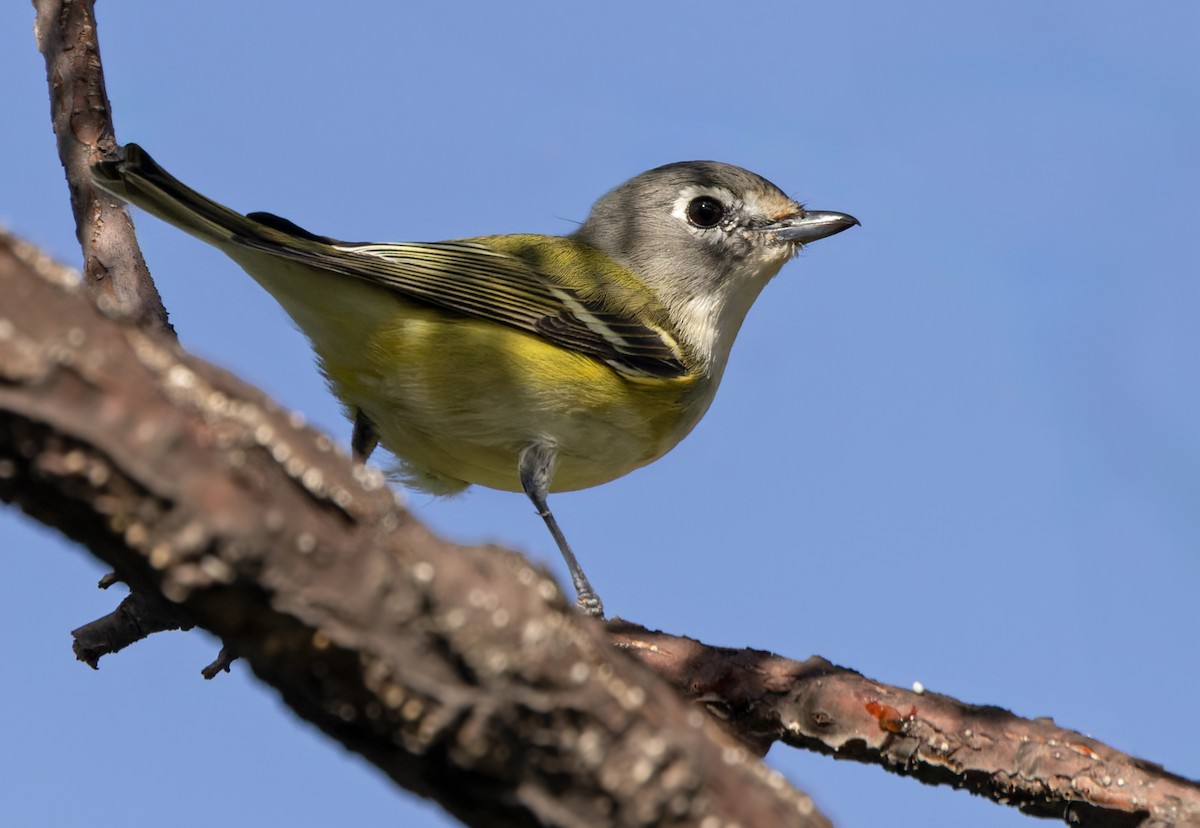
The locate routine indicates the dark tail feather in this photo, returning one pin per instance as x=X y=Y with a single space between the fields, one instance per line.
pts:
x=138 y=179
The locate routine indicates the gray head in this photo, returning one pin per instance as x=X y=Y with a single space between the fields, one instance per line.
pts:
x=706 y=237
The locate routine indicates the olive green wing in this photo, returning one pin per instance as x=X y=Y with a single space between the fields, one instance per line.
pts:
x=565 y=292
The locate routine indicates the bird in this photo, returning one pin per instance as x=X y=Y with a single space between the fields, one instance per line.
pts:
x=526 y=363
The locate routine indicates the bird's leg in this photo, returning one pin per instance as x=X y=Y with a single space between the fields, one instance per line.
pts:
x=363 y=438
x=536 y=467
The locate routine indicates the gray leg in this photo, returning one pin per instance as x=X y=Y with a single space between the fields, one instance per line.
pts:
x=363 y=439
x=536 y=467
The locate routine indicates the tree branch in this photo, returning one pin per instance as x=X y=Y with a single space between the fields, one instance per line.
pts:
x=1034 y=765
x=468 y=660
x=141 y=614
x=113 y=268
x=462 y=673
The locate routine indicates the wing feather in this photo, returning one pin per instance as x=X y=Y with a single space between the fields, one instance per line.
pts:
x=596 y=308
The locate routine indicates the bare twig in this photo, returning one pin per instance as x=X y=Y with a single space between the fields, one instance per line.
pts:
x=142 y=613
x=113 y=266
x=1034 y=765
x=220 y=664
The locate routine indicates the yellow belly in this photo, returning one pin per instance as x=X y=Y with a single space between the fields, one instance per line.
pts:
x=462 y=398
x=457 y=399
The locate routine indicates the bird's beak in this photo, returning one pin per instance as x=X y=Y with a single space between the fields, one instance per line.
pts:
x=810 y=226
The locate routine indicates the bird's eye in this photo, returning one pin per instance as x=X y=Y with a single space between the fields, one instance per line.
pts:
x=705 y=211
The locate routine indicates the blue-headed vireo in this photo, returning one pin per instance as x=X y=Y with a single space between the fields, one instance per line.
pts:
x=526 y=362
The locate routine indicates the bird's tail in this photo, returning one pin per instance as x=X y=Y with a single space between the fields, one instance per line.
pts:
x=136 y=178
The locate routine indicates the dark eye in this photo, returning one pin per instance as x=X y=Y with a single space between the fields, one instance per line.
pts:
x=705 y=211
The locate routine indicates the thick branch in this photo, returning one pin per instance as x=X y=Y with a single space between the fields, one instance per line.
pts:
x=462 y=673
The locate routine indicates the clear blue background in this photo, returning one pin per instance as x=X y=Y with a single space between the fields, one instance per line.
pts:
x=959 y=444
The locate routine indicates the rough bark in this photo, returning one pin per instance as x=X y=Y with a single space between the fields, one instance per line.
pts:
x=1032 y=764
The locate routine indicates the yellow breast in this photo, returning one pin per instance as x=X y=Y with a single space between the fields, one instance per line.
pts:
x=456 y=399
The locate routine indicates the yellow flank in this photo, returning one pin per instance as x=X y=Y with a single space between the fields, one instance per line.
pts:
x=414 y=371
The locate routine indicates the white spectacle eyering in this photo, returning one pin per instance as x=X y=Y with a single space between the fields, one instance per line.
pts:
x=689 y=194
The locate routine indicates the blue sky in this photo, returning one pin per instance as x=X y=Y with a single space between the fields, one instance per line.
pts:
x=958 y=445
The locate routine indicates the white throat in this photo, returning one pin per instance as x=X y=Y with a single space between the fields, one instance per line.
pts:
x=709 y=323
